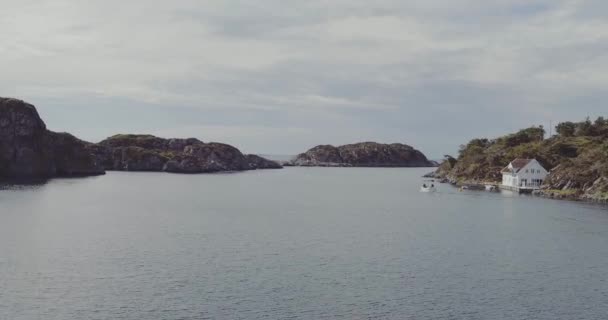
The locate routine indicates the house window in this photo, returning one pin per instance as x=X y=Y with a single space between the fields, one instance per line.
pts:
x=526 y=170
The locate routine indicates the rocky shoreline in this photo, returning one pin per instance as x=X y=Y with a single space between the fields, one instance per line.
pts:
x=545 y=192
x=570 y=195
x=29 y=151
x=577 y=159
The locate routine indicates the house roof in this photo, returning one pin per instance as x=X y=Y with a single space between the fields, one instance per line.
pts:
x=506 y=170
x=517 y=165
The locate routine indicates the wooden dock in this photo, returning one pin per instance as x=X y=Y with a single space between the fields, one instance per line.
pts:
x=520 y=190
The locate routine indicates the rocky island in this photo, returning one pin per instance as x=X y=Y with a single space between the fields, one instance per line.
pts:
x=129 y=152
x=29 y=150
x=577 y=158
x=364 y=154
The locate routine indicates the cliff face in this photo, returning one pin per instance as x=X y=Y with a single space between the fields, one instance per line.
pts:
x=150 y=153
x=29 y=150
x=365 y=154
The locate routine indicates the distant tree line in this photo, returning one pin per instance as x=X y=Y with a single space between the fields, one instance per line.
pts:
x=586 y=128
x=478 y=147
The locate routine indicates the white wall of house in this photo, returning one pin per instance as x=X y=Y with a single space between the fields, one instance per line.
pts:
x=509 y=179
x=531 y=176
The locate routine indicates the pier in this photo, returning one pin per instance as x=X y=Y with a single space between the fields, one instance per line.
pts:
x=519 y=189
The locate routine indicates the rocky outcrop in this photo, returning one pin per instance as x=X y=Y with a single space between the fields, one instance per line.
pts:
x=150 y=153
x=581 y=178
x=257 y=162
x=29 y=150
x=364 y=154
x=443 y=169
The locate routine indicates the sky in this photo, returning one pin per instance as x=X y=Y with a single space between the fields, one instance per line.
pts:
x=281 y=76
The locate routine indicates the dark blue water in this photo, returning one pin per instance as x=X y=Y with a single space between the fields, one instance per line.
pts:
x=299 y=243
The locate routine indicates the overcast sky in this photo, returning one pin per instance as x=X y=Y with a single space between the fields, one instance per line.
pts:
x=278 y=76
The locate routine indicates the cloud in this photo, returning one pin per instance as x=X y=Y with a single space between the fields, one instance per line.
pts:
x=429 y=73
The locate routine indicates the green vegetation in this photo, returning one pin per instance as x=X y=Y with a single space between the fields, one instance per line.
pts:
x=132 y=136
x=577 y=157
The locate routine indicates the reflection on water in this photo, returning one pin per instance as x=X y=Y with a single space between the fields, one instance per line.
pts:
x=299 y=243
x=24 y=184
x=21 y=184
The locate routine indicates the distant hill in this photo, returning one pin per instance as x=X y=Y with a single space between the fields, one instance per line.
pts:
x=363 y=154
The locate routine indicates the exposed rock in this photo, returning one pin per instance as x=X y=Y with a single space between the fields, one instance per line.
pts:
x=148 y=142
x=364 y=154
x=444 y=169
x=137 y=159
x=29 y=150
x=323 y=155
x=257 y=162
x=150 y=153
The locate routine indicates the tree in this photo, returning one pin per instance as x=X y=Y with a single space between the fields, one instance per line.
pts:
x=565 y=129
x=450 y=160
x=584 y=128
x=531 y=134
x=600 y=127
x=474 y=147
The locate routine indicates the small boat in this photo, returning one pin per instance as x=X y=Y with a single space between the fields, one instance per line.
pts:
x=491 y=187
x=428 y=186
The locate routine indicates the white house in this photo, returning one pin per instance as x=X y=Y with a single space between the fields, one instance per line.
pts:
x=523 y=174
